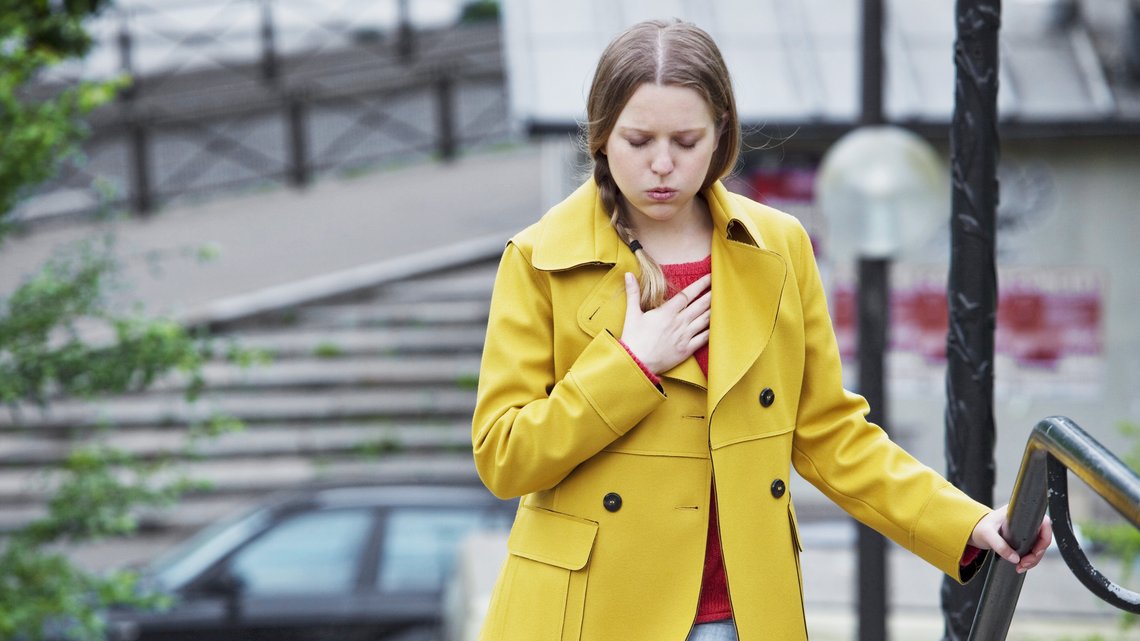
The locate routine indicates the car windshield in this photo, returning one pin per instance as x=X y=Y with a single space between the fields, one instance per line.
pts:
x=314 y=552
x=202 y=550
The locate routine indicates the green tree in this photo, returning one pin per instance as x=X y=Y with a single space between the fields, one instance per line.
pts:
x=60 y=336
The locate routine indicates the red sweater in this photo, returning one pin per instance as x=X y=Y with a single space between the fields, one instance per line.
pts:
x=714 y=604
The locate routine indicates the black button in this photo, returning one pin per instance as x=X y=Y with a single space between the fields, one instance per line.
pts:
x=767 y=397
x=778 y=488
x=612 y=501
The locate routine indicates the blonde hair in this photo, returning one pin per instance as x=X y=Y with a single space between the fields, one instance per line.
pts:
x=672 y=53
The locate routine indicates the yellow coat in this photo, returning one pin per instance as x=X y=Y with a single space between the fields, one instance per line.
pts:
x=615 y=475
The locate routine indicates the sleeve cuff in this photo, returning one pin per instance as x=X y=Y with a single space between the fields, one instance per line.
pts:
x=969 y=555
x=653 y=378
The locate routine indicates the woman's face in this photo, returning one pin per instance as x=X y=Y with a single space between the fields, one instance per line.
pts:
x=659 y=152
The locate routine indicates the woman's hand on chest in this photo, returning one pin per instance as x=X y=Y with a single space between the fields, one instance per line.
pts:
x=661 y=338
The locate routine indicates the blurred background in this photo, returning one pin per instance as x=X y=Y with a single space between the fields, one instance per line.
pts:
x=321 y=192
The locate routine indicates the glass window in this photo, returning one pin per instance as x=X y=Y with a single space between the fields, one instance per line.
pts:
x=420 y=545
x=315 y=552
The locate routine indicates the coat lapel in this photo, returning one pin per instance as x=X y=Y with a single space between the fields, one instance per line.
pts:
x=604 y=309
x=744 y=304
x=748 y=281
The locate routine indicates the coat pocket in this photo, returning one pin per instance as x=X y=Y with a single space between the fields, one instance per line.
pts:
x=546 y=574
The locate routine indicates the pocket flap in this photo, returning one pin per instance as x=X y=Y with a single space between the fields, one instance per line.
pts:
x=552 y=538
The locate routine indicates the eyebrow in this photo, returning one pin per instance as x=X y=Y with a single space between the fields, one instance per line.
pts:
x=636 y=130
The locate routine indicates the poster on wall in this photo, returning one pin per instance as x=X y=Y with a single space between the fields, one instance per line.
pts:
x=1049 y=338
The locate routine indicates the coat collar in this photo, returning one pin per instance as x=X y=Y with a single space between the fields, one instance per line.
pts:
x=582 y=215
x=744 y=304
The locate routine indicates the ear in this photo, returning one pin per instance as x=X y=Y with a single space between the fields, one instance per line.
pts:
x=720 y=125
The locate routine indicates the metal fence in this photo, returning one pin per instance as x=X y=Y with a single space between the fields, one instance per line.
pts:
x=269 y=115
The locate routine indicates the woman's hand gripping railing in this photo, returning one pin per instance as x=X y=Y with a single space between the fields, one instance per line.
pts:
x=1056 y=446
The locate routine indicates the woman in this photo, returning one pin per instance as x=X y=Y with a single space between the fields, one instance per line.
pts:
x=651 y=434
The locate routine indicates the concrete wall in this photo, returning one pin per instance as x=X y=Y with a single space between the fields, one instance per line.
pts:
x=1074 y=204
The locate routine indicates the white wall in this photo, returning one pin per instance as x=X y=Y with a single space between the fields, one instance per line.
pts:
x=1080 y=207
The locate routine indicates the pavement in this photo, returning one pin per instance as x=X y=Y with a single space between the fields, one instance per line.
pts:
x=188 y=257
x=284 y=245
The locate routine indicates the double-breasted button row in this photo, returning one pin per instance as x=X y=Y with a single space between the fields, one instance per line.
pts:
x=767 y=397
x=612 y=501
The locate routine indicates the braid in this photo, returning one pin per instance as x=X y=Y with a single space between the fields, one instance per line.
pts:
x=652 y=280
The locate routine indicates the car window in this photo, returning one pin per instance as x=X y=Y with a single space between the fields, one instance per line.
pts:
x=420 y=544
x=314 y=552
x=183 y=563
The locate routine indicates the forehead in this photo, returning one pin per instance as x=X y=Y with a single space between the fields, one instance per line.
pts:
x=665 y=107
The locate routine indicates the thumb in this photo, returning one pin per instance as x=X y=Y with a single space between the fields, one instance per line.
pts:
x=632 y=294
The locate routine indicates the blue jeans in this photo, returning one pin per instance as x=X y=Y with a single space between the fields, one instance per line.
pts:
x=714 y=631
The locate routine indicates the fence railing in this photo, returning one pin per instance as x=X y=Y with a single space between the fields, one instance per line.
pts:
x=282 y=116
x=1056 y=446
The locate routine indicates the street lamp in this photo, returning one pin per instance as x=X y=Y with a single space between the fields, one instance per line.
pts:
x=881 y=187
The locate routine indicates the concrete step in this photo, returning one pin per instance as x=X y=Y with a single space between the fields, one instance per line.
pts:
x=157 y=410
x=307 y=373
x=390 y=314
x=333 y=343
x=257 y=440
x=471 y=284
x=238 y=481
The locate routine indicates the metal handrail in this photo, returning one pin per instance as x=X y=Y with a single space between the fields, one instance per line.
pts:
x=1056 y=446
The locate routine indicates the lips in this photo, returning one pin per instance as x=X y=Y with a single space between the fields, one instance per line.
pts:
x=661 y=194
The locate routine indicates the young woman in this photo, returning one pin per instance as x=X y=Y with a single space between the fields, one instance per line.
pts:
x=659 y=355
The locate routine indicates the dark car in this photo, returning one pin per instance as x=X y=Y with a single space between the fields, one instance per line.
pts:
x=341 y=563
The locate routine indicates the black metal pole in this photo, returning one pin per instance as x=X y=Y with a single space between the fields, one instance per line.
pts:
x=126 y=59
x=871 y=570
x=872 y=63
x=269 y=66
x=141 y=198
x=405 y=34
x=874 y=317
x=445 y=89
x=972 y=288
x=296 y=115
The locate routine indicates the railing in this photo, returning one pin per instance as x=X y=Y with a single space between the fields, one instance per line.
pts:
x=1056 y=446
x=252 y=112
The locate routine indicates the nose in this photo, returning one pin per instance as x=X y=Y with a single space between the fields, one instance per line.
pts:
x=662 y=163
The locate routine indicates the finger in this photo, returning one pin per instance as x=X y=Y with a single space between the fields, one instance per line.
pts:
x=1044 y=537
x=700 y=323
x=1002 y=549
x=632 y=293
x=702 y=303
x=696 y=309
x=697 y=287
x=698 y=341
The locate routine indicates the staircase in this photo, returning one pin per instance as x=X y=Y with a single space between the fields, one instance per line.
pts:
x=379 y=383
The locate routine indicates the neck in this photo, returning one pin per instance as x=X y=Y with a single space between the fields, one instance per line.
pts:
x=682 y=239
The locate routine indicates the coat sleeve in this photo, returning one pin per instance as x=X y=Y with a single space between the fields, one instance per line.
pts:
x=531 y=428
x=853 y=461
